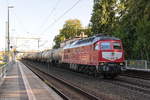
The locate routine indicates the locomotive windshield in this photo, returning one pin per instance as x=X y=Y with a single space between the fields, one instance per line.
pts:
x=116 y=45
x=110 y=45
x=106 y=46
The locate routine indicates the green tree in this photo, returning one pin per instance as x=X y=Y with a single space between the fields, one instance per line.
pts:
x=135 y=17
x=71 y=29
x=126 y=19
x=103 y=17
x=142 y=46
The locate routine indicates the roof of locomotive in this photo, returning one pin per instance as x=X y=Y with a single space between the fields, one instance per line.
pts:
x=89 y=41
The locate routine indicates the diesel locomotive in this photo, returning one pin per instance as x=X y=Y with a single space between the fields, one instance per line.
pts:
x=97 y=55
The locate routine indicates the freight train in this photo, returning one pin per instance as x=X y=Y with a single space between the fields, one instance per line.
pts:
x=96 y=55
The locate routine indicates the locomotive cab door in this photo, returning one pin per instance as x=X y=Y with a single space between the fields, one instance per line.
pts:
x=95 y=54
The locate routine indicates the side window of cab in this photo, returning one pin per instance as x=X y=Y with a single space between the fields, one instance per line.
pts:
x=96 y=46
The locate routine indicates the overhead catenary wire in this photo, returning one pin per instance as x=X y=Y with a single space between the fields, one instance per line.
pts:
x=20 y=23
x=60 y=17
x=24 y=28
x=49 y=15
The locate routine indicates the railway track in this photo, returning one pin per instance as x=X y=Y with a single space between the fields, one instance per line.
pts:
x=132 y=84
x=65 y=89
x=135 y=81
x=137 y=74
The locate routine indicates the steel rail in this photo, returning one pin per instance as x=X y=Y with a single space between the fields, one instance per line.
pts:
x=67 y=84
x=129 y=85
x=137 y=74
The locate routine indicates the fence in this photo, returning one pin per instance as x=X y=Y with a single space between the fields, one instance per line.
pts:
x=2 y=73
x=138 y=64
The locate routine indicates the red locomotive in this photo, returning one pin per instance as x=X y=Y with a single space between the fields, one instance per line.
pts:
x=93 y=55
x=97 y=54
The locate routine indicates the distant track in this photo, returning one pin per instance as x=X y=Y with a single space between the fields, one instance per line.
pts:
x=130 y=85
x=137 y=74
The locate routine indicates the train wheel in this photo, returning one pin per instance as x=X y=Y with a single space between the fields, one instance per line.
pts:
x=95 y=71
x=90 y=72
x=79 y=68
x=76 y=67
x=70 y=66
x=96 y=74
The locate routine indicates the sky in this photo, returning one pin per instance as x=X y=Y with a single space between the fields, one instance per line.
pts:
x=40 y=19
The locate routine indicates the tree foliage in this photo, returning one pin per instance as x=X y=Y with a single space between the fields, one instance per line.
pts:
x=103 y=17
x=71 y=29
x=127 y=19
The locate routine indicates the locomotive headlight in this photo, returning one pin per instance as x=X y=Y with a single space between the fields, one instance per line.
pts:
x=102 y=63
x=121 y=63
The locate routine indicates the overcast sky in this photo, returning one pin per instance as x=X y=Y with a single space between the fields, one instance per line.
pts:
x=36 y=17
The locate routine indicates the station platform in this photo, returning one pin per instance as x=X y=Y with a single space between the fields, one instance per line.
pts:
x=20 y=83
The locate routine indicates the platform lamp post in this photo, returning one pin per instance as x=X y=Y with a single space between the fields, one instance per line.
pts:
x=8 y=42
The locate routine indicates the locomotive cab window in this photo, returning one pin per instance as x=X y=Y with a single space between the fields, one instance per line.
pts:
x=96 y=46
x=116 y=45
x=105 y=46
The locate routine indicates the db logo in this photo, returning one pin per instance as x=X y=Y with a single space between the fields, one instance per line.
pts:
x=112 y=53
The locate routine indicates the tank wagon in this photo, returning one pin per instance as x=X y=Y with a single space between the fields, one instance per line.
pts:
x=99 y=54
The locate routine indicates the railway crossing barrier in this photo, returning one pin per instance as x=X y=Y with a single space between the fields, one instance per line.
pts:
x=138 y=64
